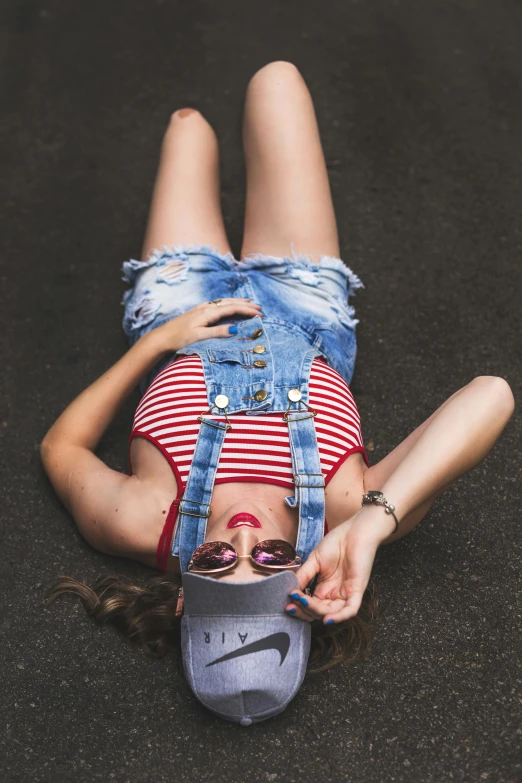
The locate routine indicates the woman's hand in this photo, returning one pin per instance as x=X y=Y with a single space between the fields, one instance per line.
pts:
x=193 y=325
x=343 y=562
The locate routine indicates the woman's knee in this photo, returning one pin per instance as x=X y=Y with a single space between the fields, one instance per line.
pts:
x=188 y=119
x=276 y=74
x=499 y=390
x=182 y=114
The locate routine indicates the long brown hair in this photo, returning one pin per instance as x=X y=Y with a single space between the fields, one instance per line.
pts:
x=147 y=616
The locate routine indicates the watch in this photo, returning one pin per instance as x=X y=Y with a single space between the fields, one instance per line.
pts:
x=376 y=496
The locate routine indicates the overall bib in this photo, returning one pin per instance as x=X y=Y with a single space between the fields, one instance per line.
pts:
x=264 y=369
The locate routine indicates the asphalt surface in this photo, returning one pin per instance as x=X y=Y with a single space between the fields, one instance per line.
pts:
x=420 y=114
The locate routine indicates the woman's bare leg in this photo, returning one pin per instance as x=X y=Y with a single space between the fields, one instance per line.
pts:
x=288 y=201
x=185 y=205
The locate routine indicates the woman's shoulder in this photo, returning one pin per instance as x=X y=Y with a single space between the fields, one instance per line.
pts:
x=138 y=521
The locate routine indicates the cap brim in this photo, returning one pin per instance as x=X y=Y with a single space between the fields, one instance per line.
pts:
x=208 y=596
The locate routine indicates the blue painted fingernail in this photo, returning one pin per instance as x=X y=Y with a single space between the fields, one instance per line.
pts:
x=295 y=596
x=329 y=622
x=232 y=329
x=303 y=601
x=291 y=611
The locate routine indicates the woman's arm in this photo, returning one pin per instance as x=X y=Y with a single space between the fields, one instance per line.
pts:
x=110 y=508
x=458 y=436
x=456 y=439
x=87 y=417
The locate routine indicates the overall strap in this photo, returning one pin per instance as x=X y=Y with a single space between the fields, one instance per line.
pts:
x=308 y=478
x=194 y=508
x=309 y=481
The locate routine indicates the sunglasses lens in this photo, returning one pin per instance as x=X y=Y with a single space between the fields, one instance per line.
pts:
x=213 y=555
x=274 y=553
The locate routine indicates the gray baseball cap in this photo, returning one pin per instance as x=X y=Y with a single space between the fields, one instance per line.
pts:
x=244 y=658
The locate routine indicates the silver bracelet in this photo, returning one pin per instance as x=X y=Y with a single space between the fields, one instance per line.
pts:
x=375 y=496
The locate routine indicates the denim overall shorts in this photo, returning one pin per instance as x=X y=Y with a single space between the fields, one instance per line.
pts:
x=306 y=314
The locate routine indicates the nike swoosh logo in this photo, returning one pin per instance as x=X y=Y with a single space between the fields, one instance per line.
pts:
x=276 y=641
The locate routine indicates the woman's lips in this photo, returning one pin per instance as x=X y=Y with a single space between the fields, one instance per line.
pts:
x=244 y=519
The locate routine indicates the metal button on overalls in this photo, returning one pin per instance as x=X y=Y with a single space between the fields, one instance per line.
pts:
x=261 y=395
x=259 y=349
x=221 y=401
x=256 y=334
x=259 y=363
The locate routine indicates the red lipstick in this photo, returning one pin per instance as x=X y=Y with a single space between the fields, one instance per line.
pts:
x=244 y=519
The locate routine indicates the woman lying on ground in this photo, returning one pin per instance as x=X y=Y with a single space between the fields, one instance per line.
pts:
x=249 y=480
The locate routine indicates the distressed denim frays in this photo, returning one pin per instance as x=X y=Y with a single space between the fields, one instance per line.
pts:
x=313 y=298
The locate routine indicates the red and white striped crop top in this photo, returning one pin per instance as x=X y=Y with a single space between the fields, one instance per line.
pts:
x=257 y=447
